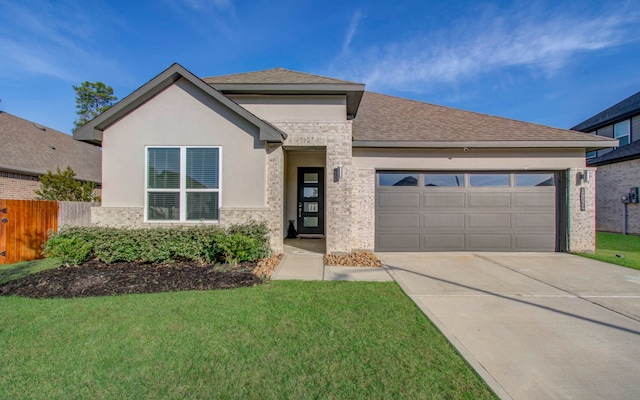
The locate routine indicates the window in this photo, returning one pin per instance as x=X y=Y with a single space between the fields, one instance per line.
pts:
x=183 y=183
x=535 y=180
x=398 y=179
x=592 y=154
x=443 y=180
x=489 y=180
x=622 y=132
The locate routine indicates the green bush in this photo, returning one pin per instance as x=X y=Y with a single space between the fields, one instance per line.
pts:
x=237 y=247
x=203 y=243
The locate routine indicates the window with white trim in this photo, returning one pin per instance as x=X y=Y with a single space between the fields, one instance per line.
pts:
x=182 y=183
x=622 y=132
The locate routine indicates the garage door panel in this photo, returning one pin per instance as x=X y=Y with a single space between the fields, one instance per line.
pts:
x=489 y=241
x=466 y=218
x=488 y=200
x=440 y=242
x=399 y=242
x=543 y=200
x=488 y=220
x=535 y=221
x=389 y=199
x=533 y=242
x=444 y=200
x=399 y=220
x=446 y=220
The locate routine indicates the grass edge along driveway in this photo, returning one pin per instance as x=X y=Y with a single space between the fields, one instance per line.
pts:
x=286 y=339
x=616 y=248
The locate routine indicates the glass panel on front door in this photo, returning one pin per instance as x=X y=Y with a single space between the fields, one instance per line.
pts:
x=310 y=205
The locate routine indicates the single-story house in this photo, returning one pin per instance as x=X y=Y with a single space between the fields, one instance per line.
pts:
x=29 y=150
x=364 y=170
x=618 y=168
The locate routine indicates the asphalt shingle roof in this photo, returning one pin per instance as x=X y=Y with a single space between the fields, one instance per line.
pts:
x=387 y=118
x=34 y=149
x=628 y=152
x=628 y=106
x=274 y=76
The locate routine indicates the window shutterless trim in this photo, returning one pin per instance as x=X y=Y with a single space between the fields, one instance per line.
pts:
x=182 y=186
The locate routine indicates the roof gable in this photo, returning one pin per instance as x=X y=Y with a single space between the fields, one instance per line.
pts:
x=624 y=109
x=33 y=149
x=92 y=131
x=392 y=121
x=279 y=81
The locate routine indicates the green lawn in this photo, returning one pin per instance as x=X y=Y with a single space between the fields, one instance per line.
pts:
x=9 y=272
x=611 y=245
x=286 y=339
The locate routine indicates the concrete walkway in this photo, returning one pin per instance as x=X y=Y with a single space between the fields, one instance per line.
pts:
x=534 y=326
x=311 y=268
x=303 y=260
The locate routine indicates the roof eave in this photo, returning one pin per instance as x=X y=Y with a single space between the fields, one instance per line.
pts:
x=91 y=132
x=589 y=145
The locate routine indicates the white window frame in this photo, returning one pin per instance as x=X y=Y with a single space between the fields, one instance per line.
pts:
x=183 y=186
x=627 y=134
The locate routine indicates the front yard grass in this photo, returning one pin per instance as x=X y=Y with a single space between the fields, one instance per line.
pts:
x=9 y=272
x=610 y=246
x=286 y=339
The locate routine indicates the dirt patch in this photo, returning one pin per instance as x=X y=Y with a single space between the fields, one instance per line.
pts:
x=355 y=259
x=98 y=279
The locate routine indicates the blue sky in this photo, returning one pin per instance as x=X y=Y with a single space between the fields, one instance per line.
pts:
x=550 y=62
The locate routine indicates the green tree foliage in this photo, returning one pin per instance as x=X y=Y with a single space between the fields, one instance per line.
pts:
x=92 y=99
x=62 y=186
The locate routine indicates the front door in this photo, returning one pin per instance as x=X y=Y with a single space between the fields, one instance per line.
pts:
x=310 y=200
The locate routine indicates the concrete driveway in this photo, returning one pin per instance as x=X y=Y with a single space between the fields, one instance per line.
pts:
x=533 y=325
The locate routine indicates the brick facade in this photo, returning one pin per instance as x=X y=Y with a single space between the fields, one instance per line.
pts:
x=581 y=223
x=22 y=187
x=614 y=180
x=363 y=199
x=17 y=186
x=335 y=137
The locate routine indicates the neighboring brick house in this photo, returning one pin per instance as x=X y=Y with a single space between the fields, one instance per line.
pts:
x=618 y=168
x=28 y=150
x=364 y=170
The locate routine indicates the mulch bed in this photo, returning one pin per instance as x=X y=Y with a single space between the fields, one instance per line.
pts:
x=99 y=279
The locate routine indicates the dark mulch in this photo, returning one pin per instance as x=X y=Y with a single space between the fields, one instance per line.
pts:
x=99 y=279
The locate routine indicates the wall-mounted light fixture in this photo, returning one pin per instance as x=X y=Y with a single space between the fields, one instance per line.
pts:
x=583 y=177
x=337 y=173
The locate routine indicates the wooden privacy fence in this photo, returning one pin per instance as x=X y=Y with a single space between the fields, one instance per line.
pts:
x=25 y=225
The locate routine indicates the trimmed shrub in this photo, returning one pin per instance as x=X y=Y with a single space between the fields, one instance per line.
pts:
x=203 y=243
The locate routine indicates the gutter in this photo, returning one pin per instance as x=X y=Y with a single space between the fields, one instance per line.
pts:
x=587 y=144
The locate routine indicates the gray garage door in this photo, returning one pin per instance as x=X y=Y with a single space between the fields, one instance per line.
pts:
x=425 y=211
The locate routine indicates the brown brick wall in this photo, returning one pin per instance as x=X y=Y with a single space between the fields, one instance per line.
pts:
x=18 y=187
x=613 y=181
x=21 y=187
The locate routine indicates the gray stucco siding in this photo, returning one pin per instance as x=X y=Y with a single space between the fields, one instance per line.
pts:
x=183 y=115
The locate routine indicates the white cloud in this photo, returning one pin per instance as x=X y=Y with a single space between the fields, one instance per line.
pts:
x=206 y=5
x=543 y=42
x=59 y=41
x=351 y=31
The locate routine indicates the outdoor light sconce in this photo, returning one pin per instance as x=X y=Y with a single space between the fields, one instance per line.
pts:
x=337 y=173
x=583 y=177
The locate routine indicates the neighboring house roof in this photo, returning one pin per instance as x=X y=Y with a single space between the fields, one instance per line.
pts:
x=387 y=121
x=92 y=131
x=624 y=153
x=284 y=81
x=622 y=110
x=32 y=149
